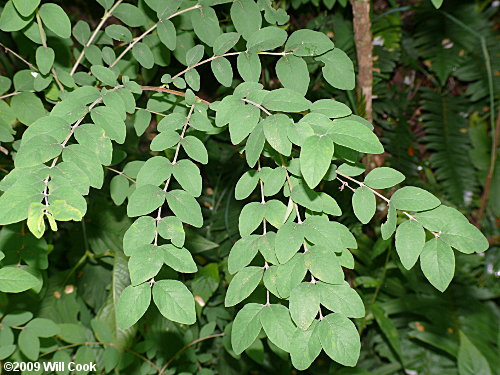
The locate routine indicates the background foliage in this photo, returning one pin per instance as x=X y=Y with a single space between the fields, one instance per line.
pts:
x=436 y=87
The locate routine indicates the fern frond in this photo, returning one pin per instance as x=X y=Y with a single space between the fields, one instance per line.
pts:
x=446 y=135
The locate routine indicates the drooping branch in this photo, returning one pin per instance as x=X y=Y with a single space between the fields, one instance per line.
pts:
x=148 y=31
x=94 y=34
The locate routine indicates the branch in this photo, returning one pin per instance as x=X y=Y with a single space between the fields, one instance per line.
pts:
x=7 y=49
x=491 y=172
x=137 y=40
x=44 y=43
x=173 y=92
x=94 y=34
x=174 y=160
x=258 y=106
x=194 y=342
x=224 y=55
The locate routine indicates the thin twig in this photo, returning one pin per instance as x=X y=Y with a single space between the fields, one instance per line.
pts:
x=491 y=172
x=11 y=94
x=174 y=160
x=362 y=184
x=187 y=346
x=137 y=40
x=44 y=44
x=94 y=34
x=4 y=150
x=258 y=106
x=173 y=92
x=121 y=174
x=7 y=49
x=224 y=55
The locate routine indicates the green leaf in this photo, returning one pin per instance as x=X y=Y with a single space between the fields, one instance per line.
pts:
x=26 y=7
x=194 y=55
x=388 y=328
x=341 y=299
x=133 y=303
x=11 y=19
x=285 y=100
x=246 y=184
x=142 y=121
x=338 y=70
x=246 y=327
x=290 y=274
x=243 y=284
x=225 y=42
x=165 y=140
x=94 y=138
x=410 y=241
x=438 y=263
x=205 y=24
x=278 y=326
x=54 y=17
x=167 y=34
x=118 y=188
x=340 y=339
x=354 y=135
x=249 y=67
x=305 y=347
x=242 y=253
x=331 y=108
x=383 y=178
x=308 y=43
x=111 y=121
x=437 y=4
x=105 y=75
x=140 y=233
x=44 y=59
x=251 y=217
x=174 y=301
x=185 y=207
x=145 y=263
x=27 y=107
x=246 y=17
x=145 y=199
x=315 y=159
x=324 y=265
x=16 y=280
x=37 y=150
x=412 y=198
x=179 y=259
x=470 y=360
x=293 y=73
x=171 y=228
x=195 y=149
x=455 y=229
x=188 y=176
x=29 y=344
x=142 y=53
x=273 y=180
x=289 y=240
x=275 y=130
x=304 y=304
x=388 y=228
x=255 y=145
x=130 y=15
x=221 y=67
x=265 y=39
x=121 y=33
x=154 y=171
x=364 y=204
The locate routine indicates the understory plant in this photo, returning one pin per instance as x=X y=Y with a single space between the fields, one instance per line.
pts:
x=119 y=135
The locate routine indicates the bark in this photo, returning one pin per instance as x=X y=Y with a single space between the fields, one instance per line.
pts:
x=364 y=51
